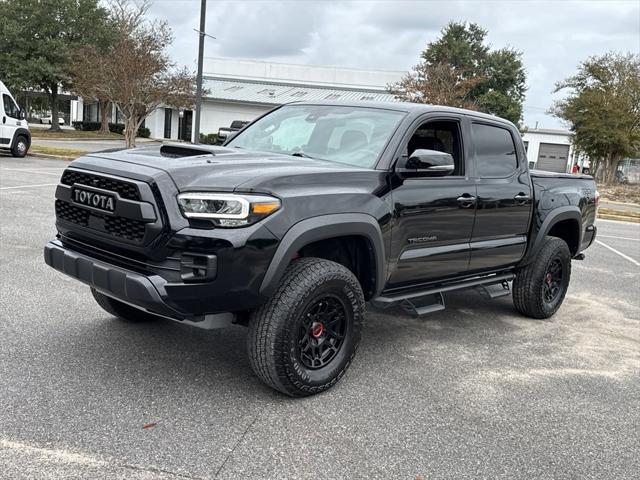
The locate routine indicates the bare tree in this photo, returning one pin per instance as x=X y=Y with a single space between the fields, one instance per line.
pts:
x=136 y=72
x=438 y=84
x=87 y=71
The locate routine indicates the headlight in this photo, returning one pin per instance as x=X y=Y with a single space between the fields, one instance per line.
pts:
x=227 y=209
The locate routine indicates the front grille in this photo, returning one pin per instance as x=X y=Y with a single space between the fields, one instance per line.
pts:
x=124 y=189
x=124 y=228
x=119 y=227
x=71 y=213
x=134 y=229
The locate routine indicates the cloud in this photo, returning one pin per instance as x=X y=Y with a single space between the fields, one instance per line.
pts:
x=553 y=36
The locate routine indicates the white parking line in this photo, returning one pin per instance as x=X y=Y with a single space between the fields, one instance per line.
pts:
x=619 y=253
x=24 y=170
x=620 y=222
x=28 y=186
x=619 y=238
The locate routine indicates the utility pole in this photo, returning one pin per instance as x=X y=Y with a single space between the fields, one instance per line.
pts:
x=201 y=34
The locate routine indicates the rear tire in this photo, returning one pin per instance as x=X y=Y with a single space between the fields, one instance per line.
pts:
x=540 y=287
x=303 y=340
x=21 y=147
x=122 y=310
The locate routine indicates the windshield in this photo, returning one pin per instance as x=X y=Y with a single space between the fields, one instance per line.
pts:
x=352 y=135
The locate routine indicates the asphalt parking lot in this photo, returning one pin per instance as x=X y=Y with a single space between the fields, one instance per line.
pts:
x=475 y=391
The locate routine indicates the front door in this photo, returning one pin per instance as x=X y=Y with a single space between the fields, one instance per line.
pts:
x=9 y=120
x=433 y=216
x=505 y=197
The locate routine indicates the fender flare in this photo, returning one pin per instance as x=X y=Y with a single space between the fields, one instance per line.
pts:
x=21 y=132
x=555 y=216
x=324 y=227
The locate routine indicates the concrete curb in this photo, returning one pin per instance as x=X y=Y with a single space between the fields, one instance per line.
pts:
x=619 y=203
x=54 y=157
x=616 y=216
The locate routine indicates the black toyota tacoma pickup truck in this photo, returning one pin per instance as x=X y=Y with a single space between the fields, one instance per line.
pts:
x=313 y=210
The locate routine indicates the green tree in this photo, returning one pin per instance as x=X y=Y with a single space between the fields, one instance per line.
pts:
x=37 y=38
x=491 y=81
x=603 y=110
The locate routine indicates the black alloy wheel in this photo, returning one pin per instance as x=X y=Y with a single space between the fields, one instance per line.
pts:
x=552 y=280
x=322 y=331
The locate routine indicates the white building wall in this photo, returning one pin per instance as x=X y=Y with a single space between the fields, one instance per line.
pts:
x=76 y=110
x=535 y=138
x=299 y=74
x=155 y=123
x=218 y=114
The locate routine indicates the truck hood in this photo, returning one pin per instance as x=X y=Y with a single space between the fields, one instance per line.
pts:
x=226 y=170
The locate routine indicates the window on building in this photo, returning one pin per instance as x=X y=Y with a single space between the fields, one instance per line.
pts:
x=526 y=146
x=299 y=94
x=167 y=122
x=267 y=91
x=332 y=96
x=367 y=97
x=233 y=88
x=495 y=152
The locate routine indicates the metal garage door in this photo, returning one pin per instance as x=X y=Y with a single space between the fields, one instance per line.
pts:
x=553 y=157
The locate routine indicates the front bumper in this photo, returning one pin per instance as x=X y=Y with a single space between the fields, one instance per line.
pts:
x=145 y=292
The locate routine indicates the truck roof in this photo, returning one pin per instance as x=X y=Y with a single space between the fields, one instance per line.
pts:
x=409 y=107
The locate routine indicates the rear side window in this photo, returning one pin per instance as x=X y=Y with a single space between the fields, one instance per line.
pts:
x=10 y=108
x=495 y=151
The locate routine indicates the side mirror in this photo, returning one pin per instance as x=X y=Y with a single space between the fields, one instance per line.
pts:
x=425 y=163
x=22 y=115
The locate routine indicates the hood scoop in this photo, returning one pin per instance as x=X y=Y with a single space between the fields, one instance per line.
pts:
x=177 y=150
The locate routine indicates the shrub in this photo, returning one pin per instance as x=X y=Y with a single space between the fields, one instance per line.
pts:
x=143 y=132
x=209 y=139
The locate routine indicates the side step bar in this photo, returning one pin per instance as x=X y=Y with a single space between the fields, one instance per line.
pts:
x=422 y=302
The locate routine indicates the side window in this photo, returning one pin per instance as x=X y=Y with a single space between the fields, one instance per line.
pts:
x=443 y=136
x=495 y=152
x=10 y=108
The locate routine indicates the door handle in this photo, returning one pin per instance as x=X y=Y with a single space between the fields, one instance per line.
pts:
x=466 y=201
x=522 y=198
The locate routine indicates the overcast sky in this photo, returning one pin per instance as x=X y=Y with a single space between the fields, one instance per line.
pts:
x=554 y=36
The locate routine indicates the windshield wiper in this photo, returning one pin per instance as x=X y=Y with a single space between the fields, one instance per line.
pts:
x=300 y=154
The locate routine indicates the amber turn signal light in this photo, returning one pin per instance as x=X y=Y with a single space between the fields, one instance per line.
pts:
x=264 y=208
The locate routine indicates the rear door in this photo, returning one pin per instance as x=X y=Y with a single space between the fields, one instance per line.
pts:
x=433 y=216
x=504 y=196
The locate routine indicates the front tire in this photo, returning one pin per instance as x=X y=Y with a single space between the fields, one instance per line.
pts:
x=303 y=340
x=21 y=147
x=121 y=310
x=540 y=287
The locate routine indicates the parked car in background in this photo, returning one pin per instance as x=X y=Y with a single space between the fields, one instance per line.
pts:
x=14 y=129
x=236 y=126
x=47 y=120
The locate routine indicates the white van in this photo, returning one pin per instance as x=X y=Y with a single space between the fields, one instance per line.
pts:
x=14 y=130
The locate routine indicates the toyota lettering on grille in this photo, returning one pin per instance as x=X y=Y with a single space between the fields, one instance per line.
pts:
x=99 y=201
